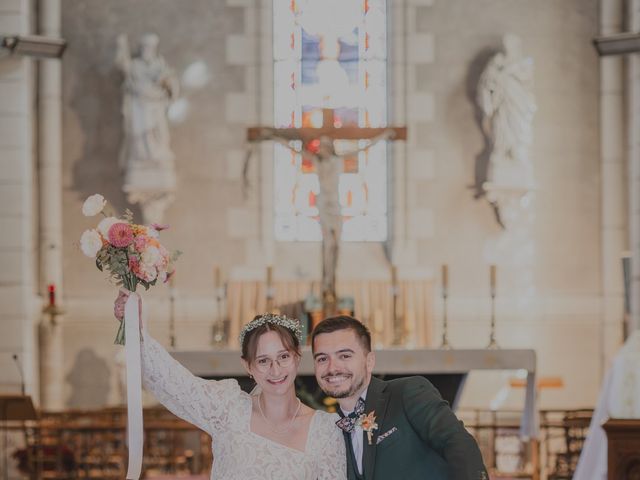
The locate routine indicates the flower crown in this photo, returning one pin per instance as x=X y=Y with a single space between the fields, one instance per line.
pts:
x=274 y=319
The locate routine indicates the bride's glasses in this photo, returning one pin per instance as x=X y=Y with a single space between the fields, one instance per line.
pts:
x=284 y=360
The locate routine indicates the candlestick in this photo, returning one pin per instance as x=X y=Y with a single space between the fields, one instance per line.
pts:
x=51 y=308
x=399 y=329
x=445 y=279
x=218 y=330
x=445 y=293
x=217 y=277
x=52 y=295
x=492 y=280
x=172 y=311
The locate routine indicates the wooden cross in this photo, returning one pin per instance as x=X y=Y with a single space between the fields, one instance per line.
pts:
x=318 y=145
x=306 y=134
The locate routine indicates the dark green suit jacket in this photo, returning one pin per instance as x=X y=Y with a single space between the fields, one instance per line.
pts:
x=418 y=436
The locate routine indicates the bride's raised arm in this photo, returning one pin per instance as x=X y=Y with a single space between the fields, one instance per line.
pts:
x=204 y=403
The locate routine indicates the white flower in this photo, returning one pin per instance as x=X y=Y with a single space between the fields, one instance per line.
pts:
x=149 y=272
x=105 y=224
x=162 y=276
x=93 y=205
x=90 y=243
x=150 y=256
x=152 y=232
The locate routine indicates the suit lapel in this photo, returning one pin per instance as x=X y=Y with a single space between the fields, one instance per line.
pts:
x=377 y=397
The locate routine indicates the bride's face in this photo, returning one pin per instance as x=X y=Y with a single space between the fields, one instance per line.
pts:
x=275 y=368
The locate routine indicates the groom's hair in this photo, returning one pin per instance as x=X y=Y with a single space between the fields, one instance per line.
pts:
x=343 y=322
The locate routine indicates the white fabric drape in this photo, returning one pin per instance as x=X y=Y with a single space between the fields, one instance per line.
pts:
x=373 y=305
x=619 y=398
x=132 y=311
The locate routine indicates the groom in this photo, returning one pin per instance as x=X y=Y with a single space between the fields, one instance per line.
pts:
x=414 y=434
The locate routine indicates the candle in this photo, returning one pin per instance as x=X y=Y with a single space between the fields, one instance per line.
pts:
x=52 y=295
x=217 y=277
x=492 y=278
x=445 y=278
x=269 y=275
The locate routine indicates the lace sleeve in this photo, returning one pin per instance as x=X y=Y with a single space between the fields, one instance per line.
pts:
x=204 y=403
x=332 y=463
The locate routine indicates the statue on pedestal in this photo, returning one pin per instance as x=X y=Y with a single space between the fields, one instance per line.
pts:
x=506 y=99
x=146 y=157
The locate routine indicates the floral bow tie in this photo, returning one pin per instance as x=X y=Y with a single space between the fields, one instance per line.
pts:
x=348 y=423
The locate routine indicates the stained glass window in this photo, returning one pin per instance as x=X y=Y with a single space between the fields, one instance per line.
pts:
x=331 y=54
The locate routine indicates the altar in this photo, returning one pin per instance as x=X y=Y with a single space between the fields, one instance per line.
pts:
x=446 y=369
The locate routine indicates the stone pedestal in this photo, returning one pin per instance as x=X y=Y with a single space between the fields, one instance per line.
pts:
x=51 y=365
x=513 y=249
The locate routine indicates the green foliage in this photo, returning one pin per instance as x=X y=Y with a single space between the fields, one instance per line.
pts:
x=115 y=261
x=128 y=216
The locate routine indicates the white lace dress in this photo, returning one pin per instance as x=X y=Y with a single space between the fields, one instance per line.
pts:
x=223 y=410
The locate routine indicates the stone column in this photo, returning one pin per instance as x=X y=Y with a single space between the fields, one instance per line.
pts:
x=633 y=159
x=50 y=173
x=613 y=222
x=17 y=298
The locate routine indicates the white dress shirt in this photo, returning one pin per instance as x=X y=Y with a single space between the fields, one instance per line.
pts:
x=356 y=436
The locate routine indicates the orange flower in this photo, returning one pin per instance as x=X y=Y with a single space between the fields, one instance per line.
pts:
x=368 y=424
x=138 y=229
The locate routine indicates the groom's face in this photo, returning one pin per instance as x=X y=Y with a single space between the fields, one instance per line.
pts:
x=342 y=365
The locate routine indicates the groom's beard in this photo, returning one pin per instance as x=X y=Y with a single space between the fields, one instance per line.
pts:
x=349 y=391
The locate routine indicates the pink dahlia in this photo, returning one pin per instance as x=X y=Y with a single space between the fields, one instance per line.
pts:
x=120 y=235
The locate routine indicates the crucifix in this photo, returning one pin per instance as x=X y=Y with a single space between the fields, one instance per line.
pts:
x=318 y=146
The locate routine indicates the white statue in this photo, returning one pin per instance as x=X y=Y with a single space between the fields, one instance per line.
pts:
x=146 y=157
x=506 y=98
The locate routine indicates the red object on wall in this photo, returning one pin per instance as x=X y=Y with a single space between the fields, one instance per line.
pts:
x=52 y=294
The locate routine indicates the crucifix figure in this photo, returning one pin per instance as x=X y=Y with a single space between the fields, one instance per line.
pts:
x=318 y=146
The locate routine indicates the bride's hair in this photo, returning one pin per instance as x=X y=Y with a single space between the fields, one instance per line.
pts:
x=288 y=331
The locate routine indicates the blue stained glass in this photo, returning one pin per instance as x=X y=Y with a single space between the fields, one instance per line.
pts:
x=349 y=50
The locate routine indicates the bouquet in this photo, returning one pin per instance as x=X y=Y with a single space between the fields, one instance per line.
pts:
x=130 y=253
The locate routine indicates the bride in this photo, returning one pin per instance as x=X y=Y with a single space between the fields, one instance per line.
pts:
x=266 y=435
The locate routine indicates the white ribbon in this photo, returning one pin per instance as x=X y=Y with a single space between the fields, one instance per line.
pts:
x=134 y=385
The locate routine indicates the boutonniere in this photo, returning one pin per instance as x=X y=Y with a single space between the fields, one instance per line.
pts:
x=368 y=424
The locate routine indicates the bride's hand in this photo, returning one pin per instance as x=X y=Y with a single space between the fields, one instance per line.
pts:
x=118 y=305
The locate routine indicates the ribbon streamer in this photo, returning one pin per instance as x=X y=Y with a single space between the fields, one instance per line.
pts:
x=134 y=384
